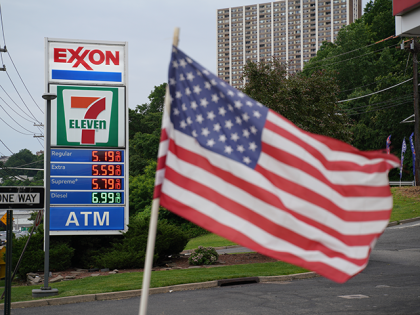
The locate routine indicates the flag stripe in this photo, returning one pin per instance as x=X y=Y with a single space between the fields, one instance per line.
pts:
x=243 y=238
x=309 y=239
x=340 y=151
x=297 y=156
x=352 y=209
x=271 y=199
x=259 y=235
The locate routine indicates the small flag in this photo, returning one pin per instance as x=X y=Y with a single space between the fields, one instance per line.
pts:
x=413 y=152
x=388 y=144
x=241 y=170
x=403 y=149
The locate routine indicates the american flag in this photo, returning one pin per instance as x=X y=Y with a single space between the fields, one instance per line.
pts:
x=388 y=144
x=241 y=170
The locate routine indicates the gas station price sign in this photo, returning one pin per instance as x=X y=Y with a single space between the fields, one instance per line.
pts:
x=89 y=136
x=87 y=178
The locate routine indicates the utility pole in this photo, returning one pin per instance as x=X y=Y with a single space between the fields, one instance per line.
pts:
x=415 y=49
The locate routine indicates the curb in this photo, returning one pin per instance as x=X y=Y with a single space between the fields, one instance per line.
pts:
x=393 y=223
x=216 y=248
x=134 y=293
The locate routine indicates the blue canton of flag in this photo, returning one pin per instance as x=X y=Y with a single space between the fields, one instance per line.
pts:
x=221 y=118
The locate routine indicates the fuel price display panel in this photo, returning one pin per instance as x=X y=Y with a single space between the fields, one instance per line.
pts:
x=87 y=177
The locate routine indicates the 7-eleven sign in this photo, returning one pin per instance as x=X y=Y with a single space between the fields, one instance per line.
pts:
x=88 y=116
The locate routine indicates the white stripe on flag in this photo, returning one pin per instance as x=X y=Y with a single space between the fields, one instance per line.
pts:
x=265 y=210
x=247 y=174
x=335 y=177
x=330 y=155
x=258 y=235
x=305 y=180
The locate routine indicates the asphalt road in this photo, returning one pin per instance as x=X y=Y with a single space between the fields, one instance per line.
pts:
x=389 y=285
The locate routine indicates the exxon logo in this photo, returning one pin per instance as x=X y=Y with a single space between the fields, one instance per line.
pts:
x=86 y=58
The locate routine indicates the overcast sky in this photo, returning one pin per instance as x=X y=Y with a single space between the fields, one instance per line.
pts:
x=147 y=26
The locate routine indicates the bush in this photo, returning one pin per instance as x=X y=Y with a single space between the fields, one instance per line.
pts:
x=189 y=228
x=33 y=259
x=203 y=256
x=131 y=251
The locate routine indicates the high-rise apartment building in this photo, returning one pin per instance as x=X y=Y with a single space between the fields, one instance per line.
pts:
x=291 y=30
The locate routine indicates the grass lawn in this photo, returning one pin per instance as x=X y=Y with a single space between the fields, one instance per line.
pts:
x=133 y=281
x=207 y=240
x=406 y=204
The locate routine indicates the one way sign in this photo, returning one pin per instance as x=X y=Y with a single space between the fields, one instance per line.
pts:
x=16 y=197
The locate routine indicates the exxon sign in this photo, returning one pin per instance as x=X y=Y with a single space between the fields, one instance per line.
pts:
x=86 y=63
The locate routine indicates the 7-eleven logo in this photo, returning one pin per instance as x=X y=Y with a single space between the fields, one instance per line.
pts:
x=90 y=117
x=90 y=123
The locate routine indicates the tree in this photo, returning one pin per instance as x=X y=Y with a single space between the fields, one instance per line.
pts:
x=144 y=128
x=308 y=101
x=24 y=158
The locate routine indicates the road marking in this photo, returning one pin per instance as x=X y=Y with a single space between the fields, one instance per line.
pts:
x=354 y=296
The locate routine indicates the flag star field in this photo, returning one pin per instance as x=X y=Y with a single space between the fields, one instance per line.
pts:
x=221 y=118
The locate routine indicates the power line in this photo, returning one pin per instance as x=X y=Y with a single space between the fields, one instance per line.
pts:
x=15 y=120
x=6 y=146
x=355 y=98
x=26 y=134
x=1 y=18
x=348 y=52
x=21 y=96
x=42 y=145
x=373 y=104
x=309 y=66
x=8 y=53
x=16 y=104
x=32 y=121
x=381 y=108
x=365 y=85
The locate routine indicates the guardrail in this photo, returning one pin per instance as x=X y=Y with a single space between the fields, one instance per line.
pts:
x=398 y=183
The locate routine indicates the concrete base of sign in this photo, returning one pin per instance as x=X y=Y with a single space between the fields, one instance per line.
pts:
x=44 y=293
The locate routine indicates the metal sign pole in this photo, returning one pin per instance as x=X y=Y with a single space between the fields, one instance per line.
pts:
x=8 y=280
x=46 y=290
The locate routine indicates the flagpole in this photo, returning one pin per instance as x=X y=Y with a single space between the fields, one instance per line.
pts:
x=153 y=222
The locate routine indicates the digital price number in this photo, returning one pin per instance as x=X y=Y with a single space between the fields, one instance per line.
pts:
x=106 y=156
x=106 y=183
x=106 y=197
x=106 y=170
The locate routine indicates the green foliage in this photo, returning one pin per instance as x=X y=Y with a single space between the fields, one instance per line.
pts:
x=61 y=254
x=144 y=130
x=131 y=251
x=308 y=101
x=22 y=159
x=142 y=187
x=203 y=256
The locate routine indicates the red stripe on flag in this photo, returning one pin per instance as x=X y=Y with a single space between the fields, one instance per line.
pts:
x=157 y=191
x=268 y=197
x=239 y=238
x=161 y=162
x=333 y=165
x=344 y=190
x=256 y=219
x=319 y=200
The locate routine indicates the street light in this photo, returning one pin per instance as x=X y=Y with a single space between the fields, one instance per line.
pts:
x=46 y=290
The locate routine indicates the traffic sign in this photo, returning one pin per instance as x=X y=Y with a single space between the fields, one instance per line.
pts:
x=17 y=197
